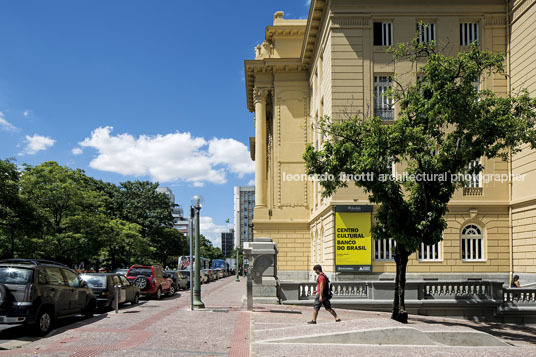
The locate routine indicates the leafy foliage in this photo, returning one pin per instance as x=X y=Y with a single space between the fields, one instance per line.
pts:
x=54 y=212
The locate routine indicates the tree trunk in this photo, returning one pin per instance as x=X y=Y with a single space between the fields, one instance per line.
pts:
x=399 y=307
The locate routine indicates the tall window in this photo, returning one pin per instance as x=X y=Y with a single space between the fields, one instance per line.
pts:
x=426 y=32
x=430 y=253
x=383 y=34
x=475 y=179
x=472 y=243
x=468 y=33
x=383 y=105
x=384 y=249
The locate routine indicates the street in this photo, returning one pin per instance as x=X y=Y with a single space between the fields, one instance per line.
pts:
x=165 y=327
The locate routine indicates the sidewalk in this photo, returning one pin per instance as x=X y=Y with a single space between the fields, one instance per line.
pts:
x=169 y=328
x=158 y=328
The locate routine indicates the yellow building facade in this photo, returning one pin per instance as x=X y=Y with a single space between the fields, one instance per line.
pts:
x=335 y=63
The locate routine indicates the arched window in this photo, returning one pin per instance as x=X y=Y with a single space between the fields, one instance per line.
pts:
x=472 y=243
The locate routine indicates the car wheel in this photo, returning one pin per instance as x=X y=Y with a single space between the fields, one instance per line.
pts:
x=90 y=309
x=44 y=323
x=136 y=299
x=159 y=293
x=171 y=291
x=141 y=282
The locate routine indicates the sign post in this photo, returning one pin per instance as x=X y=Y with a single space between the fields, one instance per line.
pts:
x=353 y=239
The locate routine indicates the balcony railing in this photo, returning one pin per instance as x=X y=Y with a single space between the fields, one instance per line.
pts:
x=472 y=191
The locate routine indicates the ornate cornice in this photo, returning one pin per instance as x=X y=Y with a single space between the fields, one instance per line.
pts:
x=296 y=31
x=520 y=8
x=314 y=21
x=267 y=65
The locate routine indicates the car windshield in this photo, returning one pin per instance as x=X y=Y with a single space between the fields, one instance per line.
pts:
x=148 y=272
x=10 y=275
x=95 y=281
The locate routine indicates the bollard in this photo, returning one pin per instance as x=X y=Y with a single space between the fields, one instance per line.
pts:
x=117 y=293
x=249 y=289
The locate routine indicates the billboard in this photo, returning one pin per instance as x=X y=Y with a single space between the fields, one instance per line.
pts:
x=353 y=239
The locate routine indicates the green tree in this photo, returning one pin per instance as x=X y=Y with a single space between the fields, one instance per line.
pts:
x=139 y=202
x=71 y=213
x=444 y=124
x=17 y=216
x=208 y=250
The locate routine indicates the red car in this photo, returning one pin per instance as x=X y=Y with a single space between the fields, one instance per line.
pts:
x=151 y=280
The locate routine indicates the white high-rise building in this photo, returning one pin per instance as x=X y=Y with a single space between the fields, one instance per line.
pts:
x=179 y=222
x=244 y=203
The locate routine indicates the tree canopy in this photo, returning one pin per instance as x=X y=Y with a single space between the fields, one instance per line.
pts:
x=55 y=212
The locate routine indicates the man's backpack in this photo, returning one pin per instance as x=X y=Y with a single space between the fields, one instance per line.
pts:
x=328 y=288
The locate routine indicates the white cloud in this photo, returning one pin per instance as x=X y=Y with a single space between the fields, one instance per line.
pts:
x=251 y=182
x=36 y=143
x=232 y=153
x=307 y=3
x=211 y=230
x=5 y=125
x=77 y=151
x=27 y=113
x=170 y=157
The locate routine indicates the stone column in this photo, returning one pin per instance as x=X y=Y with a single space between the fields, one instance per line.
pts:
x=259 y=98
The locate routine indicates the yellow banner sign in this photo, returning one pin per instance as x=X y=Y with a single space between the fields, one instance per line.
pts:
x=353 y=242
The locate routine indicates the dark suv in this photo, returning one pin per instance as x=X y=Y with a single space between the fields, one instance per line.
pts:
x=36 y=292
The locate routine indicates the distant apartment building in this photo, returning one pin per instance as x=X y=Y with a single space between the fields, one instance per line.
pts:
x=244 y=203
x=227 y=242
x=179 y=222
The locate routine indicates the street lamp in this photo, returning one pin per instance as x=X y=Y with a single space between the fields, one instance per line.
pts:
x=197 y=203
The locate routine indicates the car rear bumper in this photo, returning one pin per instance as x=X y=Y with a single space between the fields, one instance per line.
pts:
x=104 y=302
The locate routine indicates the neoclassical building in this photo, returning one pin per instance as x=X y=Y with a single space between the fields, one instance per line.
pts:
x=335 y=63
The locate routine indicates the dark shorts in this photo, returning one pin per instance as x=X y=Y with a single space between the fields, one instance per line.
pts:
x=318 y=304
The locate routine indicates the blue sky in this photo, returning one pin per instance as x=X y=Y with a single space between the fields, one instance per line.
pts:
x=135 y=89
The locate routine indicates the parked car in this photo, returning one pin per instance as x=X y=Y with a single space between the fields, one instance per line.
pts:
x=103 y=287
x=36 y=292
x=211 y=275
x=203 y=276
x=220 y=273
x=186 y=275
x=180 y=281
x=150 y=280
x=121 y=271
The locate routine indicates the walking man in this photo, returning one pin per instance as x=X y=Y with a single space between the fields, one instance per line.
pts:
x=322 y=296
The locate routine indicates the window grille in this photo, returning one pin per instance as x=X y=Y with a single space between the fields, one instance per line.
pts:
x=430 y=253
x=383 y=105
x=384 y=249
x=476 y=179
x=472 y=243
x=468 y=33
x=426 y=32
x=383 y=34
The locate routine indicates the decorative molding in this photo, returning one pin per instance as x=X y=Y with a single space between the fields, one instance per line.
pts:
x=350 y=21
x=521 y=8
x=495 y=20
x=260 y=95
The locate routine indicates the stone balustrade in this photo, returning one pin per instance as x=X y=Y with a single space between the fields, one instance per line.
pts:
x=481 y=300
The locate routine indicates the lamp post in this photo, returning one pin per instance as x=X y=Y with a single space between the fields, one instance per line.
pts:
x=197 y=203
